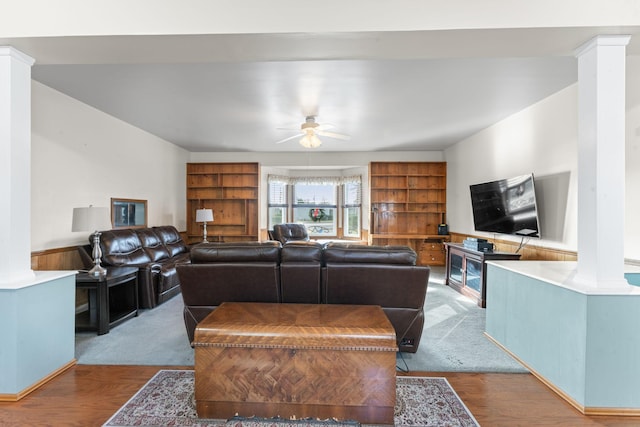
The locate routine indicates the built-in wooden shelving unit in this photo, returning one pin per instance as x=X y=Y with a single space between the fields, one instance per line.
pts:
x=231 y=190
x=408 y=202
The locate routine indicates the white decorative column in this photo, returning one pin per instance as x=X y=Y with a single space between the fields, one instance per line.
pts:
x=15 y=165
x=601 y=166
x=37 y=309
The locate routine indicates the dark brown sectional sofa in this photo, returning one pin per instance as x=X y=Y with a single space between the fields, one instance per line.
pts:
x=155 y=251
x=307 y=272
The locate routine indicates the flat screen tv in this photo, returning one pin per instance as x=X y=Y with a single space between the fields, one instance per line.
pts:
x=506 y=206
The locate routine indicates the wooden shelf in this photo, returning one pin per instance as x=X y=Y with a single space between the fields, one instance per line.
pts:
x=408 y=202
x=231 y=190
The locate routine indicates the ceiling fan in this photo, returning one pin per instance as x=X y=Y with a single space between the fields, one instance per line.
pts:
x=310 y=131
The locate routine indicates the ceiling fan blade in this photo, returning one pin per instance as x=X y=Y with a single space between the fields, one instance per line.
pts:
x=324 y=126
x=334 y=135
x=289 y=138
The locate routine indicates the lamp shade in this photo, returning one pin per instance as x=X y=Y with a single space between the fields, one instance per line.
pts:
x=204 y=215
x=91 y=219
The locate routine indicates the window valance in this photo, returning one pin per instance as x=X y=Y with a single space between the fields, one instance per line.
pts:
x=315 y=180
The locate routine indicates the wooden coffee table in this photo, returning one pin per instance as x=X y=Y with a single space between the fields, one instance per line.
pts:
x=296 y=360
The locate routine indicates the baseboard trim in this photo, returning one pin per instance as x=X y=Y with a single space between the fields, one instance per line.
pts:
x=14 y=397
x=585 y=410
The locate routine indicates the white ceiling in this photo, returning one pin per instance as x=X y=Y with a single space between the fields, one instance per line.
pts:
x=390 y=91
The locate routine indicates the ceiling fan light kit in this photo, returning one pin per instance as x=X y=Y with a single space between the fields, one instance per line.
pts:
x=310 y=130
x=310 y=140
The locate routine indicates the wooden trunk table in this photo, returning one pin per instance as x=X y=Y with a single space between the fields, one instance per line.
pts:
x=296 y=360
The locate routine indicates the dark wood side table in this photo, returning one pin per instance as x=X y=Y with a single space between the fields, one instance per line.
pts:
x=113 y=298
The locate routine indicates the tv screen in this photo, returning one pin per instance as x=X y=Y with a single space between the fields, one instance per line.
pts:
x=506 y=206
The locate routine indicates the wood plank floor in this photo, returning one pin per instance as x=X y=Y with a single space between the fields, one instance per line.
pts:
x=87 y=395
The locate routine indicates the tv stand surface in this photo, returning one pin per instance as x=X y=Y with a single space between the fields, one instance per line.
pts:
x=467 y=270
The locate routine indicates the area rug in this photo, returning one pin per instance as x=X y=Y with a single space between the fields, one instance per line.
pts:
x=167 y=400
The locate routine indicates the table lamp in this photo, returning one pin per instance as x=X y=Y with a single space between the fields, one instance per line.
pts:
x=204 y=216
x=93 y=219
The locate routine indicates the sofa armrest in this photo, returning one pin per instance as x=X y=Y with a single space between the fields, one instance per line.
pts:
x=147 y=277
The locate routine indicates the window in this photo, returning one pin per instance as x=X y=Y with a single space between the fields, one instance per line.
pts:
x=351 y=209
x=322 y=204
x=277 y=203
x=315 y=205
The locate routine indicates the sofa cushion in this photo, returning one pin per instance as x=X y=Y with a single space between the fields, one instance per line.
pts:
x=301 y=251
x=376 y=284
x=236 y=252
x=355 y=253
x=300 y=272
x=152 y=244
x=123 y=247
x=171 y=239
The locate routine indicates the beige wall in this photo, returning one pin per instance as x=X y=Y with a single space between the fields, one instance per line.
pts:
x=82 y=156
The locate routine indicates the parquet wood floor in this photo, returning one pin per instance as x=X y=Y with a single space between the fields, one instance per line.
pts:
x=87 y=395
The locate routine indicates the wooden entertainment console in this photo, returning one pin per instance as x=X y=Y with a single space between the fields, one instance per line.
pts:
x=467 y=270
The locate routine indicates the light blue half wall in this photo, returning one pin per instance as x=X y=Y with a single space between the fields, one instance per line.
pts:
x=37 y=330
x=585 y=344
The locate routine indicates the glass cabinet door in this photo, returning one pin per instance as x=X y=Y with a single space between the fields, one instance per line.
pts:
x=473 y=272
x=455 y=272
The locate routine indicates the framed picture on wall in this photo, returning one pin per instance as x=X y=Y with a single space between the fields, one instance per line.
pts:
x=128 y=213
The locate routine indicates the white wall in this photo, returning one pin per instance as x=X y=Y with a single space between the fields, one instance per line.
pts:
x=632 y=160
x=543 y=139
x=81 y=156
x=101 y=17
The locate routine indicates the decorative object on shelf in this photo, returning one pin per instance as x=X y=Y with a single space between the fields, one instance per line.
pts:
x=443 y=228
x=92 y=219
x=128 y=213
x=204 y=216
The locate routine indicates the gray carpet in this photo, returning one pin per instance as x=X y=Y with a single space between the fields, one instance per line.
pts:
x=155 y=337
x=453 y=338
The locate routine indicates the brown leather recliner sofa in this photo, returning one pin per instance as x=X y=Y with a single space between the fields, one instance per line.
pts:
x=155 y=251
x=311 y=273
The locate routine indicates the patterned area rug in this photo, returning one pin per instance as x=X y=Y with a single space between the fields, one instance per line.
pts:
x=167 y=400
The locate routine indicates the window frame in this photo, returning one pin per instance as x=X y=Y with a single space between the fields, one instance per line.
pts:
x=340 y=210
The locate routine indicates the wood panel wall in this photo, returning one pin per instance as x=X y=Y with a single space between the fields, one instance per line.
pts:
x=531 y=250
x=67 y=258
